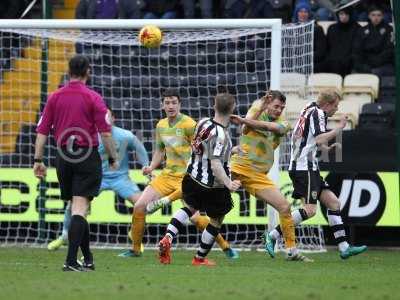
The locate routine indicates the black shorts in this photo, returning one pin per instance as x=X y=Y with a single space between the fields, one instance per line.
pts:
x=79 y=175
x=307 y=185
x=215 y=202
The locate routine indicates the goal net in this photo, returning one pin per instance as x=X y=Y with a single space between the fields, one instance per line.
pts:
x=199 y=62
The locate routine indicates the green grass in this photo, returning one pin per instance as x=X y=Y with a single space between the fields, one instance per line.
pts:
x=36 y=274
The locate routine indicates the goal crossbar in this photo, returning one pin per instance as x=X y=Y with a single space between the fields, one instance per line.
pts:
x=274 y=24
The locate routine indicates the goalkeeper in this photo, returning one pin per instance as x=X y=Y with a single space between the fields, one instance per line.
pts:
x=115 y=180
x=262 y=131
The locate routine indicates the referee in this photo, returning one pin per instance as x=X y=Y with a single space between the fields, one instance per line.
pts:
x=76 y=115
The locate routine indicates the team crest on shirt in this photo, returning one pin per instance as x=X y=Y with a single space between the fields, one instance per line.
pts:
x=179 y=132
x=314 y=195
x=366 y=31
x=382 y=31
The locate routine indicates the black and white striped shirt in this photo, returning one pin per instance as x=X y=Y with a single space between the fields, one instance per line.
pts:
x=312 y=122
x=211 y=141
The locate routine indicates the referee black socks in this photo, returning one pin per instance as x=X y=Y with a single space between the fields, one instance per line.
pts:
x=85 y=248
x=76 y=234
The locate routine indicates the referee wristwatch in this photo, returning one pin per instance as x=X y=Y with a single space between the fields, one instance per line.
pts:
x=38 y=160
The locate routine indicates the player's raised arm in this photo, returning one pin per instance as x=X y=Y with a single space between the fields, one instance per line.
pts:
x=328 y=103
x=274 y=127
x=324 y=137
x=271 y=105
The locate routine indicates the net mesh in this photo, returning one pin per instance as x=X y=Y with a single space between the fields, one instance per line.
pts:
x=130 y=78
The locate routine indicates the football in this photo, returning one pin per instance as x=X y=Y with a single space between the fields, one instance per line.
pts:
x=150 y=36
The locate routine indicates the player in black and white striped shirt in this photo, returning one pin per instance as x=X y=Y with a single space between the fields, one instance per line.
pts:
x=211 y=140
x=207 y=185
x=308 y=136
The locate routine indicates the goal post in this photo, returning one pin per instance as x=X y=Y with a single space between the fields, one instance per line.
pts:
x=197 y=57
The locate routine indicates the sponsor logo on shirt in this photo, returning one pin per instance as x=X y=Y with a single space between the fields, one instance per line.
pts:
x=179 y=132
x=218 y=148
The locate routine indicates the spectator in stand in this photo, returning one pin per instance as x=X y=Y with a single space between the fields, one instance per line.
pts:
x=302 y=14
x=160 y=9
x=373 y=47
x=340 y=40
x=206 y=7
x=281 y=9
x=97 y=9
x=364 y=6
x=257 y=9
x=320 y=10
x=260 y=9
x=130 y=9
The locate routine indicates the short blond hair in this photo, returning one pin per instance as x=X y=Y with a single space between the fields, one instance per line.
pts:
x=224 y=102
x=328 y=96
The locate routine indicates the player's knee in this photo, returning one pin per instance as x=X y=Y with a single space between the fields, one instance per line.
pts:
x=134 y=198
x=80 y=206
x=284 y=208
x=216 y=222
x=140 y=206
x=311 y=210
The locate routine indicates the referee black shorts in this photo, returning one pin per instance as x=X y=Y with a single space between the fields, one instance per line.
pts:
x=215 y=202
x=307 y=185
x=79 y=173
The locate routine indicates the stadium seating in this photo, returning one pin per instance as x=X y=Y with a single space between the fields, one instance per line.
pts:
x=321 y=81
x=358 y=89
x=352 y=119
x=20 y=89
x=118 y=72
x=387 y=89
x=293 y=86
x=378 y=116
x=364 y=85
x=293 y=83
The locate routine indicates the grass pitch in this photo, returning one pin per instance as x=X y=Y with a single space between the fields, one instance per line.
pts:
x=36 y=274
